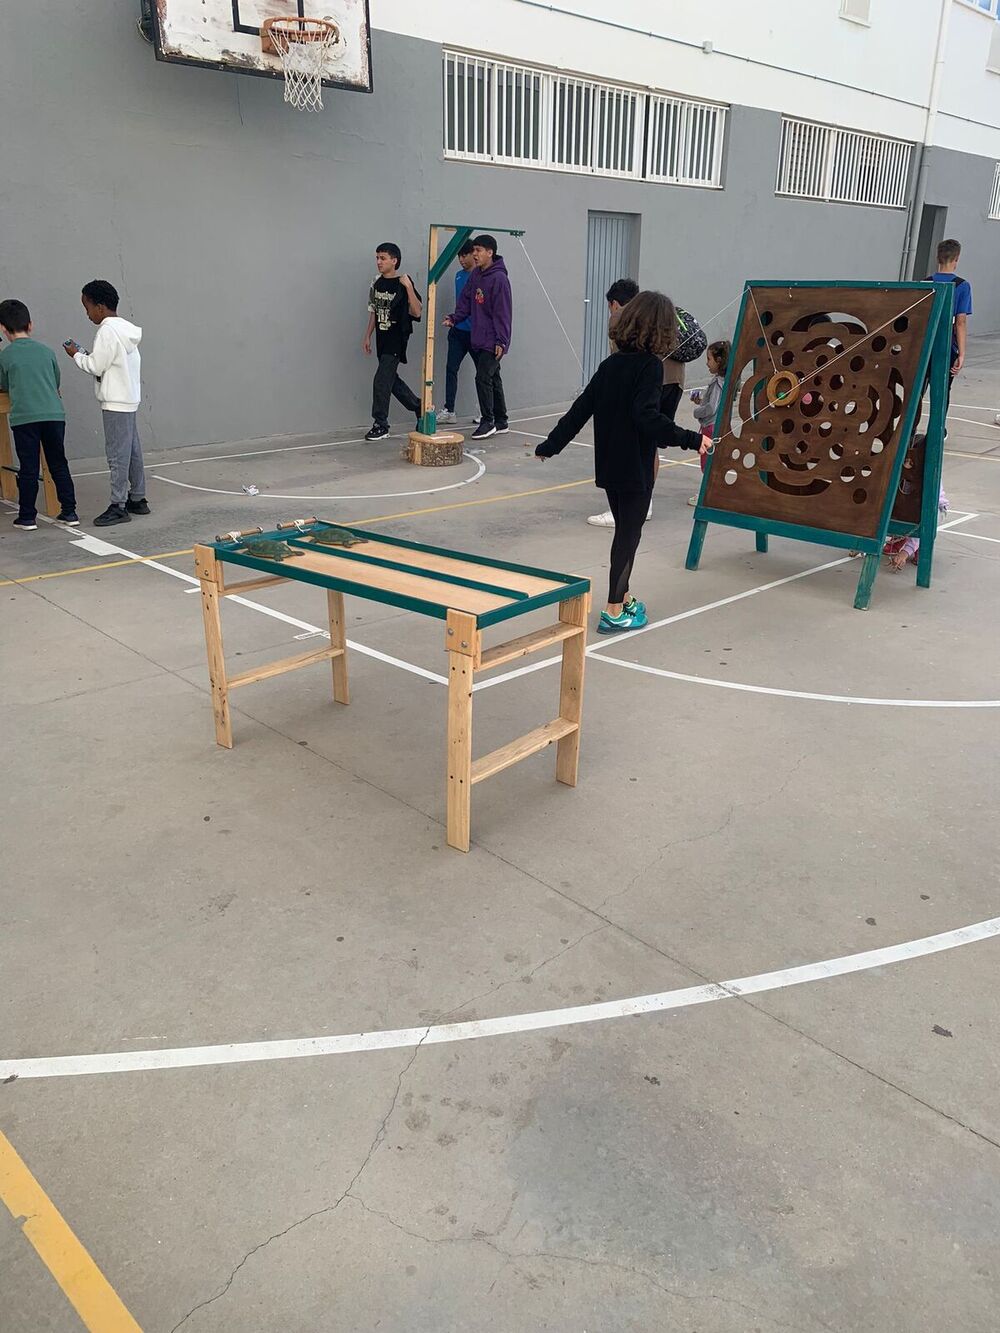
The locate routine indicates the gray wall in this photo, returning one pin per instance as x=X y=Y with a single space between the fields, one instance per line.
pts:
x=240 y=233
x=962 y=183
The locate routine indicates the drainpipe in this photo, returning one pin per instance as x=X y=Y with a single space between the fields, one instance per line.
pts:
x=920 y=189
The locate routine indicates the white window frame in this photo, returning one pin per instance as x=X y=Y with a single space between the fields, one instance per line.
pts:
x=991 y=13
x=578 y=124
x=994 y=212
x=840 y=158
x=863 y=20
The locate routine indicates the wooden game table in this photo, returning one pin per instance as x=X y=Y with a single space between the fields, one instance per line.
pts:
x=469 y=593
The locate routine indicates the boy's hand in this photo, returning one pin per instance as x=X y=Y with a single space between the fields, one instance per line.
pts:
x=695 y=396
x=448 y=322
x=959 y=363
x=498 y=351
x=71 y=348
x=366 y=347
x=706 y=445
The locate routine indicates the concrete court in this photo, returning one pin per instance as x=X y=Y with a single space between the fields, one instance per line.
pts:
x=816 y=1156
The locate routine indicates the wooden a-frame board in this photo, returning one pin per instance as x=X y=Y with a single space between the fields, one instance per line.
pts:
x=816 y=423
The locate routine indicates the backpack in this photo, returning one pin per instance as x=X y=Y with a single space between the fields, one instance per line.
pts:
x=692 y=340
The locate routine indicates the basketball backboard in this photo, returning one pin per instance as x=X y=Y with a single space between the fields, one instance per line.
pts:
x=225 y=34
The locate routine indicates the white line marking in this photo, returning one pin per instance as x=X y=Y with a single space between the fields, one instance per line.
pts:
x=595 y=648
x=978 y=536
x=386 y=495
x=94 y=546
x=796 y=694
x=970 y=422
x=187 y=1057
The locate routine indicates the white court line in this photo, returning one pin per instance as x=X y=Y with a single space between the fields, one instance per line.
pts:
x=265 y=610
x=796 y=694
x=187 y=1057
x=989 y=425
x=385 y=495
x=595 y=648
x=285 y=449
x=978 y=536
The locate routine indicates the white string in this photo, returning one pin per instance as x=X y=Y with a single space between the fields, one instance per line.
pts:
x=555 y=312
x=767 y=344
x=839 y=357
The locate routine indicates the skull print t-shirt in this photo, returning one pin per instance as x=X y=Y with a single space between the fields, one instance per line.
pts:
x=387 y=301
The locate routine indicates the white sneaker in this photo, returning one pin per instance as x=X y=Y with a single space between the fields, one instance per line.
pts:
x=605 y=520
x=447 y=417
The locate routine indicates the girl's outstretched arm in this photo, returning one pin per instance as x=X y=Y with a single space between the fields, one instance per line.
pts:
x=569 y=426
x=650 y=421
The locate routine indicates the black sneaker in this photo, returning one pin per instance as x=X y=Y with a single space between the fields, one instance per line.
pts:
x=113 y=514
x=140 y=506
x=69 y=517
x=26 y=524
x=484 y=430
x=503 y=427
x=377 y=433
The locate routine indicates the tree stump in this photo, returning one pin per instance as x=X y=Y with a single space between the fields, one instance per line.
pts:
x=441 y=450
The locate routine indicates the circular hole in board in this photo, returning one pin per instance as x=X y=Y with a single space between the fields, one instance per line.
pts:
x=836 y=451
x=767 y=443
x=857 y=363
x=859 y=496
x=749 y=460
x=901 y=324
x=878 y=344
x=787 y=426
x=847 y=474
x=877 y=446
x=730 y=478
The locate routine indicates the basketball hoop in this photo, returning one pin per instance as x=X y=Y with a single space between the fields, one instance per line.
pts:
x=304 y=47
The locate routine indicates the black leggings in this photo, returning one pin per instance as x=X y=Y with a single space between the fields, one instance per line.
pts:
x=629 y=509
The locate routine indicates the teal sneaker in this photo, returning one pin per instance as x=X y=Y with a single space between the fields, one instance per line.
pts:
x=627 y=620
x=633 y=606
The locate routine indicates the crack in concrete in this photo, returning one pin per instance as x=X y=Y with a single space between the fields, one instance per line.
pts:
x=668 y=846
x=376 y=1143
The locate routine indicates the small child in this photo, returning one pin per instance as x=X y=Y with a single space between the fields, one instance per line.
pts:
x=115 y=365
x=901 y=549
x=29 y=372
x=623 y=397
x=707 y=400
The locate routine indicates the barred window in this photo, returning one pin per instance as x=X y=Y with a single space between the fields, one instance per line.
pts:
x=995 y=195
x=495 y=111
x=823 y=162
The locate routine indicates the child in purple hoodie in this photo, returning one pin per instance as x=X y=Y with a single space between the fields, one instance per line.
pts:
x=486 y=297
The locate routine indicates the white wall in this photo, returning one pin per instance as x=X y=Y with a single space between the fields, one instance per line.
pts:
x=889 y=64
x=969 y=91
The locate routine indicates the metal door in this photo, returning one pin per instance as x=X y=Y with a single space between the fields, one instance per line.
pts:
x=612 y=253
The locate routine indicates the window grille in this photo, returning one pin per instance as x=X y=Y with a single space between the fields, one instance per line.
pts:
x=496 y=111
x=822 y=162
x=995 y=195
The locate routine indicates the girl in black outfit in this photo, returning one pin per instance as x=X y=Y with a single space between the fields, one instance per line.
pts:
x=624 y=399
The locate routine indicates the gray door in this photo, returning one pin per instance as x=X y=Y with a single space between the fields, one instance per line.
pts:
x=612 y=253
x=933 y=220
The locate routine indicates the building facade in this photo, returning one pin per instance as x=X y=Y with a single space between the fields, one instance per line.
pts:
x=689 y=146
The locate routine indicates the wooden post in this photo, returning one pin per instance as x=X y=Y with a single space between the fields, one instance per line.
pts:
x=207 y=568
x=8 y=482
x=338 y=639
x=574 y=657
x=462 y=642
x=430 y=319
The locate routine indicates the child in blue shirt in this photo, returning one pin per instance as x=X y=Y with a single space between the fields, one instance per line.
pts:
x=948 y=255
x=459 y=337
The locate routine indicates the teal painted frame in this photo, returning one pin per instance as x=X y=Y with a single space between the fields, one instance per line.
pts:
x=520 y=602
x=934 y=364
x=427 y=425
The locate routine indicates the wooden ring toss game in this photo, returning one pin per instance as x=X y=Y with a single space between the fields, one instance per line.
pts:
x=815 y=433
x=469 y=593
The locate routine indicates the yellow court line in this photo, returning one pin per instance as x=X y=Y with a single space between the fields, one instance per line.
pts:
x=80 y=1280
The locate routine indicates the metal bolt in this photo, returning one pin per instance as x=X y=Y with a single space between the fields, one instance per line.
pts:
x=464 y=644
x=451 y=631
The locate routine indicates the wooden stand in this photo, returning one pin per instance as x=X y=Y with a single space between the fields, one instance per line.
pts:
x=441 y=450
x=428 y=580
x=466 y=657
x=8 y=467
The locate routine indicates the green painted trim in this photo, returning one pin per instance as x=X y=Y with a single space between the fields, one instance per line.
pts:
x=847 y=541
x=345 y=553
x=449 y=252
x=577 y=589
x=863 y=286
x=508 y=565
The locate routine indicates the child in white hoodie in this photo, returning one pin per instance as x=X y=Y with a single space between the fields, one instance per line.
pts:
x=115 y=364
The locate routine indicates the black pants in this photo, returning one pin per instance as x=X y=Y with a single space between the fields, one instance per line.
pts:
x=459 y=348
x=629 y=509
x=670 y=399
x=30 y=441
x=489 y=387
x=386 y=385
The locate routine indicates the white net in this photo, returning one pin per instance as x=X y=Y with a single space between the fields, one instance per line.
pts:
x=305 y=47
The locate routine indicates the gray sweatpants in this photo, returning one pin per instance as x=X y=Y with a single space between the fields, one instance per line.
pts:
x=121 y=444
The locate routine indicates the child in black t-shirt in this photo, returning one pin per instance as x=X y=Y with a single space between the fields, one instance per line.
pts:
x=393 y=305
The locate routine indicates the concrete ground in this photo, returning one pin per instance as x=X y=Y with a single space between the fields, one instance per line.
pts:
x=817 y=1149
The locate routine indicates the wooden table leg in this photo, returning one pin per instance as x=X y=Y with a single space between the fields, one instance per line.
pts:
x=338 y=639
x=52 y=505
x=574 y=657
x=207 y=569
x=462 y=641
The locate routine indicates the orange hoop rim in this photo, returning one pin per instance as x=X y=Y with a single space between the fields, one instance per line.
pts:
x=300 y=29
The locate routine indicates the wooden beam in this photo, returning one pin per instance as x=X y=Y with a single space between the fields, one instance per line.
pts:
x=527 y=643
x=514 y=751
x=459 y=791
x=249 y=585
x=285 y=664
x=574 y=613
x=430 y=319
x=338 y=640
x=206 y=567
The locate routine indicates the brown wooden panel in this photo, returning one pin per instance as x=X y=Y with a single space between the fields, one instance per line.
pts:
x=825 y=460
